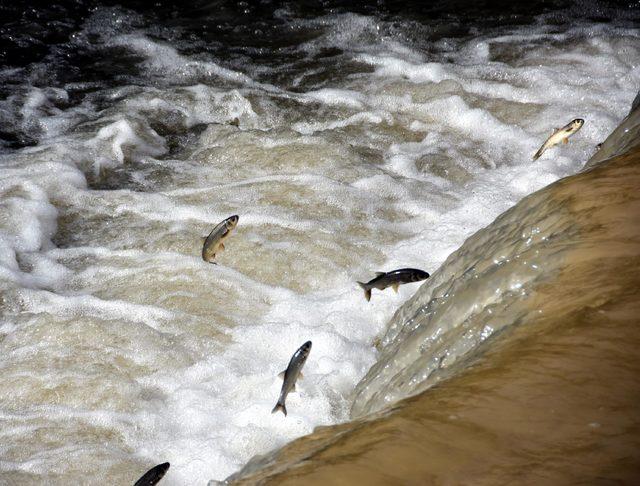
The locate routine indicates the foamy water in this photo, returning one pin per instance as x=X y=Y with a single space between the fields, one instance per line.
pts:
x=369 y=150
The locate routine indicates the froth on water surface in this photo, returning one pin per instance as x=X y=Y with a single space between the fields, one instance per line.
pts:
x=349 y=140
x=548 y=396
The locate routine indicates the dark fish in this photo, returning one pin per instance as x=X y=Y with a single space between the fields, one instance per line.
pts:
x=153 y=475
x=393 y=279
x=290 y=375
x=215 y=241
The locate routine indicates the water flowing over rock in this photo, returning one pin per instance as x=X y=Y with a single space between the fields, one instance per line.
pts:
x=349 y=137
x=488 y=285
x=530 y=330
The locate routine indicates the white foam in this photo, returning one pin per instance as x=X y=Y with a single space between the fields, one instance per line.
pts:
x=349 y=98
x=163 y=59
x=160 y=356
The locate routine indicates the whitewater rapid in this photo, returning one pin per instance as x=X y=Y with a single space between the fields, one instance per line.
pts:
x=372 y=150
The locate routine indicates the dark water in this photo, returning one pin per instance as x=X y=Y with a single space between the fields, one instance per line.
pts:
x=63 y=44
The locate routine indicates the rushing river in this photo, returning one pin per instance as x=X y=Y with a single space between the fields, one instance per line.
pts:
x=348 y=139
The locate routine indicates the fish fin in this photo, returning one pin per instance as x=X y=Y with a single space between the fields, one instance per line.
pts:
x=565 y=141
x=280 y=406
x=538 y=153
x=395 y=287
x=300 y=374
x=281 y=374
x=203 y=239
x=221 y=247
x=367 y=291
x=380 y=273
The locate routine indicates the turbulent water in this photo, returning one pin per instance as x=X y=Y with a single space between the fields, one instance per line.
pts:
x=549 y=396
x=366 y=140
x=493 y=282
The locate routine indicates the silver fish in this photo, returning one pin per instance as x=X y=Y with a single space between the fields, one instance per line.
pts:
x=290 y=375
x=215 y=241
x=560 y=135
x=153 y=475
x=392 y=279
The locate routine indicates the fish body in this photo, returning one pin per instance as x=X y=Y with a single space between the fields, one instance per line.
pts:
x=393 y=279
x=290 y=375
x=560 y=135
x=214 y=243
x=153 y=475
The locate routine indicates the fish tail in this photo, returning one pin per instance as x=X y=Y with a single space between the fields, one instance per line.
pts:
x=539 y=153
x=367 y=291
x=280 y=406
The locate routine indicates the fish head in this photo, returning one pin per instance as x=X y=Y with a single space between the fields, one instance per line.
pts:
x=305 y=349
x=420 y=275
x=577 y=124
x=153 y=475
x=231 y=221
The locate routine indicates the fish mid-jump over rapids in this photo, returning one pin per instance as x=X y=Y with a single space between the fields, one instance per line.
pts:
x=560 y=135
x=290 y=375
x=215 y=241
x=393 y=279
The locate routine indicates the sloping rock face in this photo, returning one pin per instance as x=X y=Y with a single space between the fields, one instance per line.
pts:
x=516 y=362
x=490 y=283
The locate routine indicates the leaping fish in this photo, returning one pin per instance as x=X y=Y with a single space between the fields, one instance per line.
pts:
x=290 y=375
x=393 y=279
x=215 y=241
x=153 y=475
x=560 y=135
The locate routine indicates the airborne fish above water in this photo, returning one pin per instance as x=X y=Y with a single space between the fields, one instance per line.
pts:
x=153 y=475
x=560 y=135
x=392 y=279
x=215 y=241
x=290 y=375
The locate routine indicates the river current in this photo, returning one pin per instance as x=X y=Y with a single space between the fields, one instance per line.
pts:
x=348 y=140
